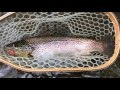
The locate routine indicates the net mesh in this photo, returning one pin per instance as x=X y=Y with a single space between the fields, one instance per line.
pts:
x=90 y=25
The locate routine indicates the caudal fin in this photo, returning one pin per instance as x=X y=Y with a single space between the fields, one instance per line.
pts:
x=110 y=43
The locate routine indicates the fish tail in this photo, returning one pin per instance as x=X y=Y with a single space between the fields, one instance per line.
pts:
x=109 y=43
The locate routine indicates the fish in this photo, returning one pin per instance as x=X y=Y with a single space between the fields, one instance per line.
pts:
x=65 y=47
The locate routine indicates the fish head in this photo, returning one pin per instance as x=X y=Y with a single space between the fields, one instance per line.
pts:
x=17 y=52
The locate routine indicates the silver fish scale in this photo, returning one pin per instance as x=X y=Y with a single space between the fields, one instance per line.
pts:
x=30 y=24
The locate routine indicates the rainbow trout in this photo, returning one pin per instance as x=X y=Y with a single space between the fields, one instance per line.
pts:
x=51 y=47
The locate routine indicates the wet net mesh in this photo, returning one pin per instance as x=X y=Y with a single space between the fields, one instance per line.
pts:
x=31 y=24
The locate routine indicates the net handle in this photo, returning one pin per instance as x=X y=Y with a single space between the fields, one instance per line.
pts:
x=6 y=15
